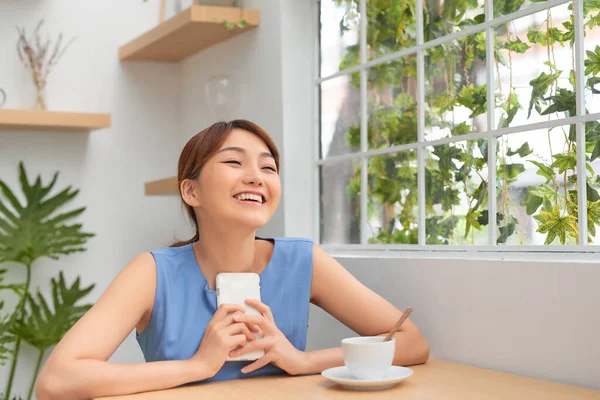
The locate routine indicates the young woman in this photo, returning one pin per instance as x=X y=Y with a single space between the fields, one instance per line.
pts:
x=228 y=178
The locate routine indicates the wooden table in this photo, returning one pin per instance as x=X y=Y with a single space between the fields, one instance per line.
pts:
x=434 y=380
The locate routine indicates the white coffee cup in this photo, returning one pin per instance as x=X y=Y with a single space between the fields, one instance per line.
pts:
x=368 y=357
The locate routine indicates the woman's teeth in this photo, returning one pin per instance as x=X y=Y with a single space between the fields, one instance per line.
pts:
x=249 y=196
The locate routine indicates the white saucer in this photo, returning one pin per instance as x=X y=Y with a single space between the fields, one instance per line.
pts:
x=342 y=376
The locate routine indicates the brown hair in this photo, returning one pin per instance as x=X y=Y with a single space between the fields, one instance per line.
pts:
x=202 y=146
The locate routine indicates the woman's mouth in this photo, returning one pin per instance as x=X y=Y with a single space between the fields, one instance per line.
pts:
x=250 y=198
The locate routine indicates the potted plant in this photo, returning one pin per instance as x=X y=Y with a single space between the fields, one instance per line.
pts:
x=29 y=231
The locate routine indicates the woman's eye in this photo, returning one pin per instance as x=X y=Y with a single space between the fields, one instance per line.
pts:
x=271 y=168
x=233 y=162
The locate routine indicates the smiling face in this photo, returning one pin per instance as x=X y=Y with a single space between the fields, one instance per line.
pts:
x=240 y=183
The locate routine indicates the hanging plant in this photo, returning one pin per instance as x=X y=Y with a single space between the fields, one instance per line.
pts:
x=456 y=173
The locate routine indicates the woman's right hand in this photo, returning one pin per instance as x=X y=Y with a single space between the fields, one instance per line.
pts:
x=222 y=335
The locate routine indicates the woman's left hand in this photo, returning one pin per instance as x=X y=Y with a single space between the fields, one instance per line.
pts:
x=278 y=349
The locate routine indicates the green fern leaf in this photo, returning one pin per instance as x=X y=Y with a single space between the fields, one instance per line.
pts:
x=36 y=229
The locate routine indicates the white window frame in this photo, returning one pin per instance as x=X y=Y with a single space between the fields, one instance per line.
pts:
x=583 y=251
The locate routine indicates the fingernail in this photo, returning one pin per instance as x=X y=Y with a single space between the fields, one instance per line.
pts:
x=244 y=370
x=237 y=316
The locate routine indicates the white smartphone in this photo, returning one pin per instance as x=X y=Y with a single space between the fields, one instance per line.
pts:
x=235 y=288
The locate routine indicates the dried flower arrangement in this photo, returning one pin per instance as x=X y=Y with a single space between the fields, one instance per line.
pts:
x=36 y=55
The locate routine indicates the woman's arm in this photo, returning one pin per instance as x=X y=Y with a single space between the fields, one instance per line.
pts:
x=78 y=366
x=336 y=291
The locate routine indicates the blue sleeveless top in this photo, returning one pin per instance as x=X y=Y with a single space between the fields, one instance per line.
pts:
x=184 y=304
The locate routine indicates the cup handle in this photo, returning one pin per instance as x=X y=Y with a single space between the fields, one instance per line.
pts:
x=2 y=97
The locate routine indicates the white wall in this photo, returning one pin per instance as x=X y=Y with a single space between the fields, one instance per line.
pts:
x=253 y=59
x=109 y=166
x=537 y=319
x=155 y=109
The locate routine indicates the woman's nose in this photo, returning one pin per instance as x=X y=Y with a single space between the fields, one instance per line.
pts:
x=253 y=181
x=253 y=177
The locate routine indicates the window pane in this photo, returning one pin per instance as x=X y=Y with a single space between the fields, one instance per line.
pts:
x=455 y=88
x=340 y=202
x=504 y=7
x=441 y=18
x=534 y=168
x=391 y=26
x=591 y=10
x=393 y=215
x=456 y=193
x=534 y=61
x=592 y=133
x=340 y=115
x=392 y=104
x=339 y=35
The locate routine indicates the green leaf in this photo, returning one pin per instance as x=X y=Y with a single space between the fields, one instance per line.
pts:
x=592 y=82
x=43 y=326
x=6 y=322
x=36 y=229
x=511 y=107
x=461 y=129
x=554 y=35
x=483 y=218
x=472 y=221
x=556 y=225
x=593 y=21
x=539 y=88
x=18 y=288
x=569 y=34
x=473 y=98
x=591 y=193
x=515 y=45
x=483 y=147
x=543 y=190
x=506 y=231
x=564 y=162
x=480 y=195
x=504 y=7
x=592 y=63
x=536 y=196
x=547 y=204
x=596 y=151
x=531 y=202
x=443 y=102
x=590 y=5
x=511 y=170
x=564 y=101
x=543 y=170
x=592 y=140
x=522 y=151
x=536 y=36
x=593 y=216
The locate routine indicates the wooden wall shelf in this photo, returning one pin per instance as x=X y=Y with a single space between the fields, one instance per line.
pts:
x=52 y=120
x=167 y=186
x=188 y=32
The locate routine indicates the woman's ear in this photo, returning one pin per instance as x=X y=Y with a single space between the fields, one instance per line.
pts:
x=190 y=192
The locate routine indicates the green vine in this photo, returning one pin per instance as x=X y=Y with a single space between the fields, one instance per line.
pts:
x=455 y=100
